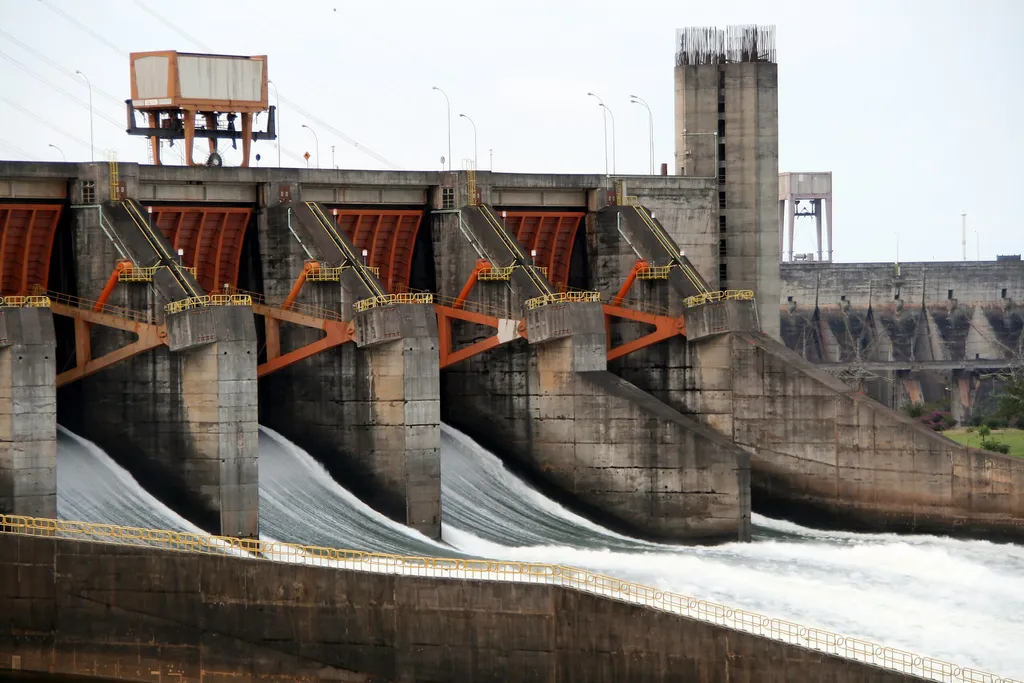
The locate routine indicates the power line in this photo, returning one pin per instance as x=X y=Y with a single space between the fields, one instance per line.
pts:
x=78 y=100
x=318 y=121
x=17 y=150
x=35 y=117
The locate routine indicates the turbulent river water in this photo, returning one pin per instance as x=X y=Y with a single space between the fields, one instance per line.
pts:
x=962 y=601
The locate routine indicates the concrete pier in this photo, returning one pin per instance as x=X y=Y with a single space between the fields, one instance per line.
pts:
x=368 y=410
x=28 y=413
x=181 y=418
x=552 y=411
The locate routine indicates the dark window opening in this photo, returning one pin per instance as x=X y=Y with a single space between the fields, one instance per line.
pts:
x=721 y=128
x=721 y=176
x=448 y=198
x=723 y=247
x=949 y=293
x=723 y=275
x=789 y=299
x=721 y=79
x=721 y=107
x=842 y=298
x=721 y=228
x=721 y=151
x=721 y=200
x=88 y=191
x=896 y=297
x=1003 y=293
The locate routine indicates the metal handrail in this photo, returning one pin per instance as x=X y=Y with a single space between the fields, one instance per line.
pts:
x=393 y=299
x=563 y=297
x=572 y=578
x=654 y=272
x=712 y=297
x=32 y=301
x=209 y=300
x=294 y=307
x=85 y=304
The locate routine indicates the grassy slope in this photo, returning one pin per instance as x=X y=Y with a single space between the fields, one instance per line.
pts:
x=1013 y=437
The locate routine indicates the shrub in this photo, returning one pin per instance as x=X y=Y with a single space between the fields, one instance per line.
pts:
x=975 y=420
x=914 y=409
x=996 y=446
x=948 y=420
x=984 y=431
x=970 y=430
x=996 y=422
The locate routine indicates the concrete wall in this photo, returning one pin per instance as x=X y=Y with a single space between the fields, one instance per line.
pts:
x=553 y=413
x=123 y=613
x=826 y=455
x=181 y=419
x=370 y=412
x=28 y=412
x=747 y=172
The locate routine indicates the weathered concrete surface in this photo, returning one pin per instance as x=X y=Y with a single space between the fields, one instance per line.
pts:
x=368 y=411
x=124 y=613
x=181 y=419
x=829 y=456
x=28 y=413
x=739 y=103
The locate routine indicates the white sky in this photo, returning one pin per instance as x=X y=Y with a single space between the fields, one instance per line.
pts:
x=914 y=105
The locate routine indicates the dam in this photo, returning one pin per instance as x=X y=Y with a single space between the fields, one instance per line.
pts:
x=301 y=410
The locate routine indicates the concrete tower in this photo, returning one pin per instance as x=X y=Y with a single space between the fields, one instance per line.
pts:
x=727 y=129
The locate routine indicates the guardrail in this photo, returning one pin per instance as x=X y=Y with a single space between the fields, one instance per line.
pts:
x=572 y=578
x=147 y=273
x=392 y=299
x=56 y=298
x=654 y=272
x=209 y=300
x=563 y=297
x=33 y=301
x=294 y=307
x=712 y=297
x=328 y=274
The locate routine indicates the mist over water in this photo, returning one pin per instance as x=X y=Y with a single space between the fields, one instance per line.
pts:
x=962 y=601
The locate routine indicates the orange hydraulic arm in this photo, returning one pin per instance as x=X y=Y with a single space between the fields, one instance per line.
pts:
x=307 y=267
x=123 y=266
x=481 y=265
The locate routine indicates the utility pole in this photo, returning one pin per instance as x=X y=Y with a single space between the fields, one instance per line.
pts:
x=963 y=233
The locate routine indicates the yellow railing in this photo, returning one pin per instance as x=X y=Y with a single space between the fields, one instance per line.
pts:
x=147 y=273
x=113 y=176
x=654 y=273
x=294 y=307
x=712 y=297
x=58 y=299
x=471 y=187
x=494 y=274
x=209 y=300
x=328 y=274
x=563 y=297
x=572 y=578
x=392 y=299
x=24 y=302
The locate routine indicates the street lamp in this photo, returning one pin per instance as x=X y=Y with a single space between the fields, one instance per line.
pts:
x=317 y=141
x=277 y=119
x=650 y=125
x=612 y=117
x=604 y=117
x=449 y=105
x=59 y=150
x=92 y=145
x=474 y=138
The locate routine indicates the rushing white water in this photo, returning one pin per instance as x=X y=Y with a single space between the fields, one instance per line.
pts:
x=962 y=601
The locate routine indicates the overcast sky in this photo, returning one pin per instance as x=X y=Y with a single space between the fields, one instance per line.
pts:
x=914 y=105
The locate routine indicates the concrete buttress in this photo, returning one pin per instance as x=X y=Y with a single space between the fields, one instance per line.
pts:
x=28 y=413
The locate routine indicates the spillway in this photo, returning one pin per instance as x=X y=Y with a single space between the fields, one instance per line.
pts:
x=962 y=601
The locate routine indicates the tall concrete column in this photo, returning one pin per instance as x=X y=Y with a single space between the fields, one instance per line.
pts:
x=217 y=355
x=28 y=413
x=400 y=346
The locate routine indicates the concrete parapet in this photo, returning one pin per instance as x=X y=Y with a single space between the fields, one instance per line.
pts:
x=721 y=317
x=830 y=457
x=28 y=412
x=619 y=456
x=187 y=615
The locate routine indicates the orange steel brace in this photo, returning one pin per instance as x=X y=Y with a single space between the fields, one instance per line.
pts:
x=338 y=332
x=299 y=281
x=665 y=326
x=617 y=300
x=449 y=356
x=122 y=266
x=460 y=301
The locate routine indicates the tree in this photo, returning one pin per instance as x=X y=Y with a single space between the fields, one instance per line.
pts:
x=1011 y=402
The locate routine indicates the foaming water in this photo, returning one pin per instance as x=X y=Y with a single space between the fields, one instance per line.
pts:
x=91 y=487
x=962 y=601
x=301 y=503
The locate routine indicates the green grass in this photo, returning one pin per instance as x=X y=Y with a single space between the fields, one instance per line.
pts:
x=1013 y=437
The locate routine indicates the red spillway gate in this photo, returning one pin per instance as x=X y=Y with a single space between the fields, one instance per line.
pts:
x=210 y=236
x=388 y=236
x=551 y=234
x=26 y=239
